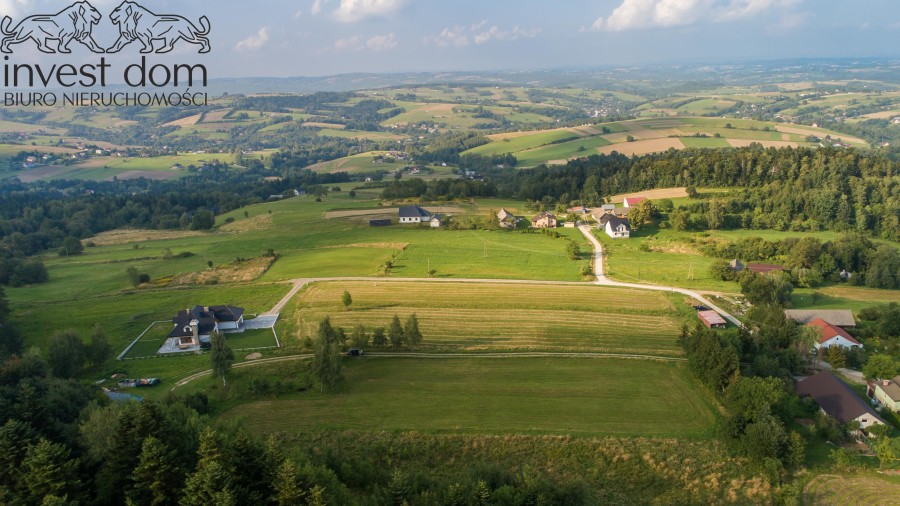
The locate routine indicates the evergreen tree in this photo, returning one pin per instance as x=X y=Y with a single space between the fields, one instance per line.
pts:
x=50 y=472
x=155 y=480
x=327 y=365
x=287 y=490
x=212 y=481
x=411 y=330
x=395 y=333
x=359 y=338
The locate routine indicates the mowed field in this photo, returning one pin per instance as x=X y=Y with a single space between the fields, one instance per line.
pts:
x=835 y=490
x=572 y=396
x=494 y=317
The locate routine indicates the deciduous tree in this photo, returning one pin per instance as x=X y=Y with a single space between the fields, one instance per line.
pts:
x=221 y=356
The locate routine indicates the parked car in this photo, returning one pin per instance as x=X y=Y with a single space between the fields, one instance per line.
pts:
x=355 y=352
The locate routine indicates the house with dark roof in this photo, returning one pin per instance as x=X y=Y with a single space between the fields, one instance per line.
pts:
x=830 y=335
x=194 y=326
x=544 y=220
x=615 y=227
x=414 y=215
x=507 y=219
x=838 y=400
x=836 y=317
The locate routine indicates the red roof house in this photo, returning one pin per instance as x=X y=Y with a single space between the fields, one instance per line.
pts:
x=634 y=201
x=829 y=335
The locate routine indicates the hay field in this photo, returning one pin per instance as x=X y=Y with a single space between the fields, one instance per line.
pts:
x=644 y=147
x=869 y=489
x=487 y=317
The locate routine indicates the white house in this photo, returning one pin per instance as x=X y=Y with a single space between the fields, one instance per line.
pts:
x=414 y=215
x=634 y=201
x=437 y=221
x=886 y=392
x=829 y=335
x=617 y=228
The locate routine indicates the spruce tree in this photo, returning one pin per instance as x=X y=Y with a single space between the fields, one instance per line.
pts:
x=395 y=333
x=411 y=330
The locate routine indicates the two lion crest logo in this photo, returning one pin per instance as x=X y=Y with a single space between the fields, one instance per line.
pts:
x=54 y=33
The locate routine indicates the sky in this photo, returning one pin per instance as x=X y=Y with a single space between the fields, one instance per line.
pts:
x=287 y=38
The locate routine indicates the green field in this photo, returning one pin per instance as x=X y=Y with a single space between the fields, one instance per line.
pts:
x=488 y=317
x=516 y=144
x=498 y=396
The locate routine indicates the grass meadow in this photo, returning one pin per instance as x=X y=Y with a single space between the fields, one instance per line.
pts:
x=496 y=396
x=476 y=318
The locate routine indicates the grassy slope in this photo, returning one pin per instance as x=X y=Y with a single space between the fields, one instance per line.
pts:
x=515 y=395
x=465 y=317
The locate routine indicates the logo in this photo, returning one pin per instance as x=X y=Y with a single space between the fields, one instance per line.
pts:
x=84 y=84
x=138 y=23
x=75 y=22
x=54 y=32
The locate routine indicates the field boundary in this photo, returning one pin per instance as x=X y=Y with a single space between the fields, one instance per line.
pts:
x=133 y=343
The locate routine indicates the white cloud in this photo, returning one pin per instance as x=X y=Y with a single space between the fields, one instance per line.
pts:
x=376 y=43
x=460 y=36
x=455 y=36
x=665 y=13
x=382 y=42
x=254 y=42
x=495 y=33
x=351 y=11
x=351 y=44
x=316 y=7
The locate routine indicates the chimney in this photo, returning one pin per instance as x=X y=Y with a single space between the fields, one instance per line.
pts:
x=885 y=383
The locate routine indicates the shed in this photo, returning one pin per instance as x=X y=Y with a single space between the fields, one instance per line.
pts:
x=712 y=319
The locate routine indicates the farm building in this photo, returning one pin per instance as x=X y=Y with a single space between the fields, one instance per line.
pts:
x=608 y=208
x=836 y=317
x=617 y=228
x=507 y=219
x=886 y=392
x=712 y=319
x=738 y=266
x=634 y=201
x=829 y=335
x=195 y=326
x=437 y=221
x=838 y=400
x=544 y=220
x=414 y=214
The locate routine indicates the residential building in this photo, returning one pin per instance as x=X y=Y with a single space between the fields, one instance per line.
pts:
x=507 y=219
x=617 y=228
x=829 y=335
x=633 y=201
x=544 y=220
x=414 y=215
x=886 y=392
x=437 y=221
x=836 y=317
x=195 y=326
x=838 y=400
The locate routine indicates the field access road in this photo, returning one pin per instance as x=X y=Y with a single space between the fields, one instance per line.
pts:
x=602 y=280
x=605 y=281
x=527 y=354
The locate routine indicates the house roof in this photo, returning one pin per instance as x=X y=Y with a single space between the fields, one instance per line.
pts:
x=712 y=317
x=615 y=221
x=835 y=397
x=827 y=331
x=504 y=215
x=227 y=313
x=608 y=207
x=542 y=216
x=437 y=217
x=206 y=318
x=892 y=389
x=837 y=317
x=413 y=212
x=764 y=268
x=630 y=201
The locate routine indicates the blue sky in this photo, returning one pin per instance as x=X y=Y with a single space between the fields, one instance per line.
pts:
x=321 y=37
